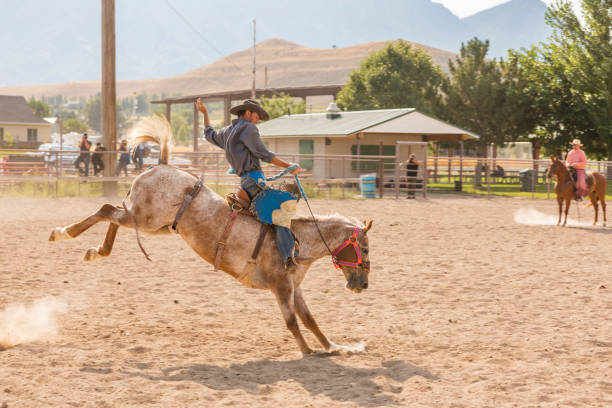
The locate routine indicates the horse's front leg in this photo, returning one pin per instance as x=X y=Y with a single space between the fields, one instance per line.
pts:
x=568 y=201
x=309 y=322
x=560 y=204
x=284 y=293
x=307 y=319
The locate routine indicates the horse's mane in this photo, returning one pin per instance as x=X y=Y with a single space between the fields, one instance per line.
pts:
x=330 y=218
x=154 y=129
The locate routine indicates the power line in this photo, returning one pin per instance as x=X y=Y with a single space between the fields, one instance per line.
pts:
x=202 y=37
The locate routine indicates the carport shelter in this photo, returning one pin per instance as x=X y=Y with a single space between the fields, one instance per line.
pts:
x=354 y=133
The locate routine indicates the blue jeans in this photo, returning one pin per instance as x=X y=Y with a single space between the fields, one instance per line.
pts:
x=253 y=183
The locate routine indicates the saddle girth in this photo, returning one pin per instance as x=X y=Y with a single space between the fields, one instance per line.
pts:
x=237 y=209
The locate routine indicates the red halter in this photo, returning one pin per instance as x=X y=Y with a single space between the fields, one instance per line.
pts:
x=351 y=241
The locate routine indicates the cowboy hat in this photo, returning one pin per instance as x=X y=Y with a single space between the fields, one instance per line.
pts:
x=576 y=142
x=253 y=106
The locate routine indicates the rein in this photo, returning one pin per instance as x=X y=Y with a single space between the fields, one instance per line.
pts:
x=351 y=241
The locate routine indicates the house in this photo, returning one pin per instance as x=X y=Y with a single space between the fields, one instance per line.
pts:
x=338 y=134
x=18 y=124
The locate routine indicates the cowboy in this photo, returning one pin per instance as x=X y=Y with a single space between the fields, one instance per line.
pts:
x=244 y=150
x=576 y=159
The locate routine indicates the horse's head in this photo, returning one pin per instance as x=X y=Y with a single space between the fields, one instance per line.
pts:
x=354 y=259
x=556 y=167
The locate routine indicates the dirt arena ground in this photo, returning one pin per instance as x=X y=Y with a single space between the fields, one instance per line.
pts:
x=466 y=308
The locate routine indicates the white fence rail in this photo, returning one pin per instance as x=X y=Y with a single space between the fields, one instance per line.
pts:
x=322 y=172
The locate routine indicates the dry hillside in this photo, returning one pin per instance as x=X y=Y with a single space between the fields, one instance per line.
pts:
x=288 y=65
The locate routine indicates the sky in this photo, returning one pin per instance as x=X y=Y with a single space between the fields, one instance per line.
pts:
x=464 y=8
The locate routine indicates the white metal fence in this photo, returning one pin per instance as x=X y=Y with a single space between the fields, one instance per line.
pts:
x=343 y=174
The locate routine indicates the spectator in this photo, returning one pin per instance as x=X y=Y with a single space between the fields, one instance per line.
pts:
x=84 y=147
x=124 y=158
x=139 y=154
x=412 y=167
x=97 y=159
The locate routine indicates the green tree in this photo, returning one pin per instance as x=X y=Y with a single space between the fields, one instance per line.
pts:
x=580 y=56
x=93 y=113
x=397 y=76
x=182 y=127
x=40 y=108
x=75 y=125
x=482 y=96
x=283 y=104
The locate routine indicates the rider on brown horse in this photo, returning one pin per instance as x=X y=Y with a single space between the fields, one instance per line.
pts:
x=244 y=150
x=576 y=159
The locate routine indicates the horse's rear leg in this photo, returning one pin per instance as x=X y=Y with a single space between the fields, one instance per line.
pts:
x=284 y=293
x=106 y=213
x=601 y=194
x=593 y=197
x=115 y=215
x=105 y=249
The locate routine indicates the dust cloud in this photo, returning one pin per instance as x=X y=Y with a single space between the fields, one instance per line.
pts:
x=23 y=324
x=530 y=216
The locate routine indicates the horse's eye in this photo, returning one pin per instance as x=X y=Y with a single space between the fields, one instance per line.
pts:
x=365 y=250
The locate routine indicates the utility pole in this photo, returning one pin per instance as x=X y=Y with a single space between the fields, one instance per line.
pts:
x=254 y=55
x=109 y=96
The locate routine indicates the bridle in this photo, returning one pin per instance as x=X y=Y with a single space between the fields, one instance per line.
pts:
x=352 y=241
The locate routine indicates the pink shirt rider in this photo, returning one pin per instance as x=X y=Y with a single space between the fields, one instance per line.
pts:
x=576 y=159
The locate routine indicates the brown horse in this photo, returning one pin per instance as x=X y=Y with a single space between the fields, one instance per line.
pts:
x=153 y=203
x=565 y=189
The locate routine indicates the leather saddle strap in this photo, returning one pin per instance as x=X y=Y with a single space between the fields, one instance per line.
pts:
x=260 y=239
x=221 y=244
x=187 y=200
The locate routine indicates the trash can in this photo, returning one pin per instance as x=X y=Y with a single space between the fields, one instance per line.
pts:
x=526 y=177
x=458 y=186
x=368 y=185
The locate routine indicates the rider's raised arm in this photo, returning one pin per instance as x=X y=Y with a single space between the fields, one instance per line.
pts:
x=216 y=137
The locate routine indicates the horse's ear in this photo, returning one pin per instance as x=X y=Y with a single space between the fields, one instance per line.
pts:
x=368 y=226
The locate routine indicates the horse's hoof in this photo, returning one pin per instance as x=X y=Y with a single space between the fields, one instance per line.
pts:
x=92 y=254
x=59 y=234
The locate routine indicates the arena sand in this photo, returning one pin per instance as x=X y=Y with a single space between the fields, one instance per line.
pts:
x=472 y=303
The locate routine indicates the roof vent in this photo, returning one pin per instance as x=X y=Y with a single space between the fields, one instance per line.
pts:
x=333 y=112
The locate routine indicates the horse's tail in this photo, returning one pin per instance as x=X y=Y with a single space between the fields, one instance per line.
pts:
x=154 y=129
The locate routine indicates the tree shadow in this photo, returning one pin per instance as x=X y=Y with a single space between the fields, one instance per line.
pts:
x=318 y=376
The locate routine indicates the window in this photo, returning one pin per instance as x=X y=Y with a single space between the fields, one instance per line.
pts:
x=32 y=135
x=371 y=150
x=1 y=134
x=306 y=147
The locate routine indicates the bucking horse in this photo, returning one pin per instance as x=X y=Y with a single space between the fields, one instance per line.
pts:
x=151 y=206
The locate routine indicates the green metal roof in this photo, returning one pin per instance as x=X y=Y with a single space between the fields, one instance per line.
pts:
x=319 y=124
